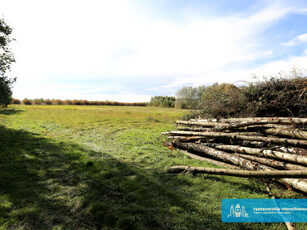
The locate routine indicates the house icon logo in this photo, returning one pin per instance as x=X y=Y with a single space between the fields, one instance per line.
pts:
x=238 y=211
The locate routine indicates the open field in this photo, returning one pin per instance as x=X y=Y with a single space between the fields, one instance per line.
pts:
x=103 y=167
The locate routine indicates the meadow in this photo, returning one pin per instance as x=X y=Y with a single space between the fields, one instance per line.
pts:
x=103 y=167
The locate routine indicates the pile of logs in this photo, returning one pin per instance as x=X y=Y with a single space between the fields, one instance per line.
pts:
x=252 y=147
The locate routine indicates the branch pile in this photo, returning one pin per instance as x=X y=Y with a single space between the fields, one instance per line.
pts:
x=275 y=146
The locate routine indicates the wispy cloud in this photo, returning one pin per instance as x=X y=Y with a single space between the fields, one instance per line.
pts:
x=297 y=40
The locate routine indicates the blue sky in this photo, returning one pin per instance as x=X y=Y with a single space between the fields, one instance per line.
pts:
x=130 y=50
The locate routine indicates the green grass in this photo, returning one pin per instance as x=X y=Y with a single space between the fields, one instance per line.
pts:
x=101 y=167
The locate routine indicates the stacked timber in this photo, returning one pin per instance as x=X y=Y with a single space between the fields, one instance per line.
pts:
x=264 y=147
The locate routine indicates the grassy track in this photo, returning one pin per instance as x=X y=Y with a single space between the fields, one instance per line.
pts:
x=90 y=167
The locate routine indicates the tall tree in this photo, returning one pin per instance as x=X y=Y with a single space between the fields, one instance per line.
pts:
x=6 y=59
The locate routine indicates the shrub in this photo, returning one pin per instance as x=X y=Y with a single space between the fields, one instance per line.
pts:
x=26 y=101
x=48 y=102
x=38 y=101
x=222 y=100
x=15 y=101
x=277 y=96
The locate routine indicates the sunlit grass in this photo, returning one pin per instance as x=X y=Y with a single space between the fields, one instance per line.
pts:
x=93 y=167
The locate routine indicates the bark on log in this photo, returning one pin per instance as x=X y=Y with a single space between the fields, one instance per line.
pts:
x=223 y=156
x=293 y=142
x=287 y=132
x=262 y=152
x=183 y=138
x=208 y=129
x=193 y=129
x=272 y=163
x=239 y=173
x=202 y=158
x=238 y=161
x=281 y=120
x=275 y=120
x=198 y=123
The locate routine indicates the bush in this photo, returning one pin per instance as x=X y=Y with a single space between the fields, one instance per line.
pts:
x=48 y=102
x=277 y=97
x=283 y=96
x=224 y=100
x=15 y=101
x=38 y=101
x=26 y=101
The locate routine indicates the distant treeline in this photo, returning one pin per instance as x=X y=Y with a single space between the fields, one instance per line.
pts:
x=162 y=101
x=41 y=101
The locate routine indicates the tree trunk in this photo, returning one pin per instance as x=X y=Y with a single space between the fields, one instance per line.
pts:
x=202 y=158
x=271 y=120
x=276 y=140
x=272 y=163
x=239 y=173
x=262 y=152
x=287 y=132
x=238 y=161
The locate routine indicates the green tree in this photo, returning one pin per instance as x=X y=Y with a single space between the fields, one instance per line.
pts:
x=189 y=97
x=222 y=100
x=6 y=59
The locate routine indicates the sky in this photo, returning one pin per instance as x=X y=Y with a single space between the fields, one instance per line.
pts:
x=130 y=50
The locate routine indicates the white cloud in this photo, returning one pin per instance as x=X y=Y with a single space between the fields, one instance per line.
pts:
x=65 y=39
x=297 y=40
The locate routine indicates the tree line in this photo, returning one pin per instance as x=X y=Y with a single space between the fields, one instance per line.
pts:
x=41 y=101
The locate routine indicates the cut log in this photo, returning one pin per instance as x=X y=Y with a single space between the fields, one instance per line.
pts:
x=193 y=129
x=198 y=123
x=239 y=173
x=293 y=150
x=202 y=158
x=183 y=138
x=208 y=129
x=238 y=161
x=295 y=133
x=262 y=152
x=217 y=154
x=272 y=120
x=285 y=141
x=272 y=163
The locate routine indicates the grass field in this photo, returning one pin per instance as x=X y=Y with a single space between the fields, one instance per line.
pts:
x=91 y=167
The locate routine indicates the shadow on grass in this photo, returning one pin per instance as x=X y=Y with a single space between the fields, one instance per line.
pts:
x=47 y=185
x=10 y=111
